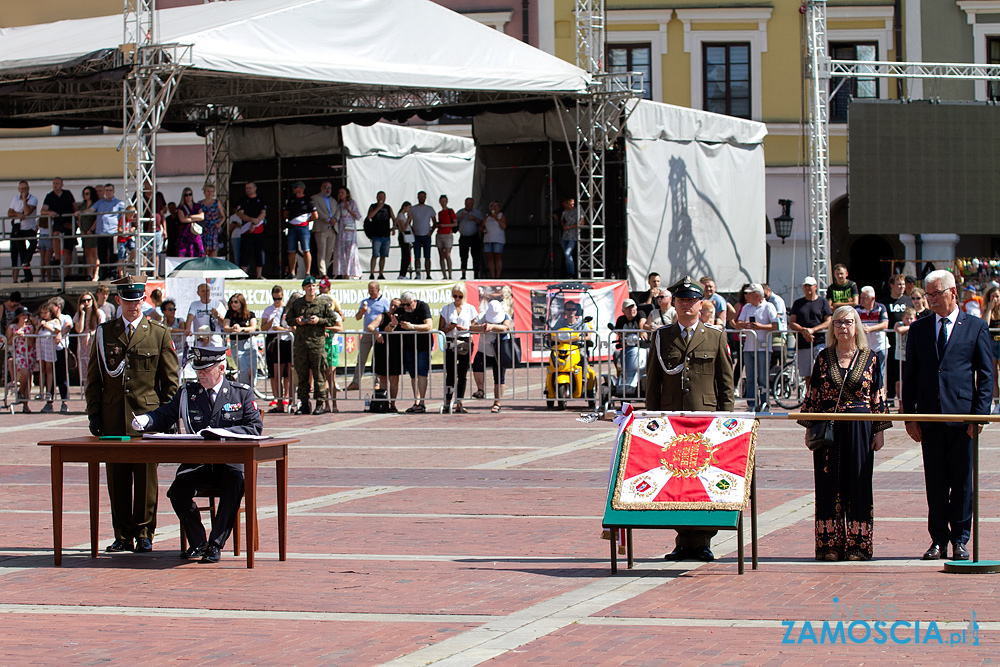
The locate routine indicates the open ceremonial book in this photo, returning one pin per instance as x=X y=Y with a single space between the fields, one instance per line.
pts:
x=206 y=434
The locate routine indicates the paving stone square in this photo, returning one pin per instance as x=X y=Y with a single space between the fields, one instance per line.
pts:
x=475 y=539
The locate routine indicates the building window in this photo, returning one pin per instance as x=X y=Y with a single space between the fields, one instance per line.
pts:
x=993 y=58
x=727 y=78
x=633 y=58
x=844 y=90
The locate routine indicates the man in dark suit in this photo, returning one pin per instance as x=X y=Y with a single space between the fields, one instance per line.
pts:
x=949 y=370
x=689 y=368
x=211 y=401
x=133 y=369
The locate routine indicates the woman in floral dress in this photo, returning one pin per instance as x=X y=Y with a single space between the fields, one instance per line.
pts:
x=843 y=472
x=19 y=336
x=345 y=254
x=212 y=225
x=189 y=212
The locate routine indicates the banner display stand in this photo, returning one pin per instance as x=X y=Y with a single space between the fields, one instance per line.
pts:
x=684 y=472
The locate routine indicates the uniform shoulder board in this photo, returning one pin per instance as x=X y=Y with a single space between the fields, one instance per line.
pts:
x=240 y=385
x=157 y=323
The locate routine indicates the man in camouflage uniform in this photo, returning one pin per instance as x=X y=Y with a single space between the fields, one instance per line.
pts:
x=309 y=318
x=133 y=369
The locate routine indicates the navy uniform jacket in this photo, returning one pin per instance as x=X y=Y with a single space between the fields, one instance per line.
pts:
x=698 y=376
x=235 y=409
x=962 y=383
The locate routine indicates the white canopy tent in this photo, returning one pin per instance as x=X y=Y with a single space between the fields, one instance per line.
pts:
x=695 y=196
x=285 y=58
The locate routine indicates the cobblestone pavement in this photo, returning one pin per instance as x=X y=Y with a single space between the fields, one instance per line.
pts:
x=470 y=539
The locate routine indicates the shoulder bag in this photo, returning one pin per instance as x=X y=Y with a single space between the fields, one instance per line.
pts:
x=821 y=433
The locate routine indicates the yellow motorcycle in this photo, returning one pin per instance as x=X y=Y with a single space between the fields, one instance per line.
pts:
x=569 y=374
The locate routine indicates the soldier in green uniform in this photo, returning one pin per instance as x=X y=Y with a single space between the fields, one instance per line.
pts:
x=689 y=368
x=133 y=370
x=309 y=318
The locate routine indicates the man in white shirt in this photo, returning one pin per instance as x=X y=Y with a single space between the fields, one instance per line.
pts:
x=25 y=226
x=205 y=312
x=758 y=318
x=422 y=217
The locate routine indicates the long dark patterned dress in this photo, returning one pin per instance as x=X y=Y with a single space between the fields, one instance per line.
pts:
x=843 y=473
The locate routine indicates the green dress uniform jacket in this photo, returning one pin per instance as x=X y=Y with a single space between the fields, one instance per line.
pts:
x=690 y=376
x=695 y=376
x=147 y=379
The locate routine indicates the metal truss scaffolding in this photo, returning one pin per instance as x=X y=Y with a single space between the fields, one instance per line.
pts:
x=819 y=70
x=154 y=71
x=600 y=118
x=819 y=145
x=589 y=159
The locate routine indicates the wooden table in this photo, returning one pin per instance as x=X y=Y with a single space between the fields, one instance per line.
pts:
x=93 y=451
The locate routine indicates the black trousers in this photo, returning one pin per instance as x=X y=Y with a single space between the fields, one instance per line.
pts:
x=252 y=251
x=450 y=368
x=227 y=480
x=61 y=374
x=22 y=251
x=107 y=256
x=471 y=244
x=404 y=258
x=947 y=454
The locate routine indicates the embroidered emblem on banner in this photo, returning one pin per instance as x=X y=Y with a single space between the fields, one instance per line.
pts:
x=687 y=455
x=732 y=426
x=641 y=488
x=650 y=427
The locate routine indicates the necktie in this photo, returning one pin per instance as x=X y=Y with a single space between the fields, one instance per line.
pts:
x=131 y=329
x=942 y=338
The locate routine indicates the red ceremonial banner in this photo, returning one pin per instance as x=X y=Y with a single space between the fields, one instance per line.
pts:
x=685 y=463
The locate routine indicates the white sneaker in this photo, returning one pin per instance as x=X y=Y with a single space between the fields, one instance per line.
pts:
x=64 y=408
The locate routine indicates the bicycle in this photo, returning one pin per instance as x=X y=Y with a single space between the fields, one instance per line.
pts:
x=788 y=388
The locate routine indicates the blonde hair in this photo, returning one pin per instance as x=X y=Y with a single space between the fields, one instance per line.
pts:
x=860 y=339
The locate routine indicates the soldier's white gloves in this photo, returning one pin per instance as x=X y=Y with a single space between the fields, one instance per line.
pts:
x=141 y=422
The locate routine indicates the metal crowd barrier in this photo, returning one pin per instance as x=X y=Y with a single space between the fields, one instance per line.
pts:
x=62 y=267
x=74 y=357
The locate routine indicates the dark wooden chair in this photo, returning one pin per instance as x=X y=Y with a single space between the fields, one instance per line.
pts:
x=211 y=495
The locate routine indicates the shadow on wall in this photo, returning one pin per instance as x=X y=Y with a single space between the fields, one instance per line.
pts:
x=685 y=256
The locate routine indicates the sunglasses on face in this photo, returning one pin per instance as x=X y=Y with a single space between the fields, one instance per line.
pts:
x=86 y=300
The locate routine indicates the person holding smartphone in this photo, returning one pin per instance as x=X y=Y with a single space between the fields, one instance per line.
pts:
x=758 y=318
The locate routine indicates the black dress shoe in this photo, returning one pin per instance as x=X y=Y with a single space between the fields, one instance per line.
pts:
x=958 y=551
x=320 y=410
x=935 y=552
x=143 y=545
x=680 y=553
x=212 y=553
x=120 y=545
x=304 y=408
x=194 y=552
x=704 y=554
